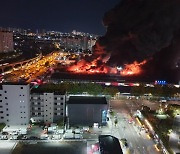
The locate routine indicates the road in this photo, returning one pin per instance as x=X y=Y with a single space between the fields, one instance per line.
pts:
x=6 y=147
x=31 y=71
x=138 y=140
x=174 y=135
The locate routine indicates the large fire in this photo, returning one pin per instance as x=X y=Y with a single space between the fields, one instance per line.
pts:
x=132 y=69
x=84 y=67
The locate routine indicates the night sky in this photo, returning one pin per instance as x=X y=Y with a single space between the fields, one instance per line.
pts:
x=59 y=15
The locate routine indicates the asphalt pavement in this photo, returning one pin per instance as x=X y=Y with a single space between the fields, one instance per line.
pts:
x=127 y=127
x=174 y=135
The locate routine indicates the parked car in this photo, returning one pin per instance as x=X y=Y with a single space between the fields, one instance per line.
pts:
x=13 y=138
x=24 y=137
x=163 y=101
x=14 y=133
x=5 y=133
x=4 y=137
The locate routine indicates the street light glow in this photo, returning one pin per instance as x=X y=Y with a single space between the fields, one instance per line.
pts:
x=148 y=124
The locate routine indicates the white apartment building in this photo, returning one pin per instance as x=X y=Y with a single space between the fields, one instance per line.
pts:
x=47 y=107
x=6 y=41
x=15 y=104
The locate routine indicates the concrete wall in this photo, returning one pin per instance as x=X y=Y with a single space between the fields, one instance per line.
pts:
x=16 y=106
x=85 y=114
x=47 y=106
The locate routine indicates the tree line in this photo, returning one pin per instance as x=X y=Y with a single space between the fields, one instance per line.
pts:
x=157 y=90
x=77 y=88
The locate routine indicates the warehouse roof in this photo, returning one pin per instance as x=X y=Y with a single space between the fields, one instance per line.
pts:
x=86 y=100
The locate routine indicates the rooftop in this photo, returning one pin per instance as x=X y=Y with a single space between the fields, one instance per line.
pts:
x=42 y=93
x=109 y=144
x=49 y=88
x=86 y=100
x=14 y=83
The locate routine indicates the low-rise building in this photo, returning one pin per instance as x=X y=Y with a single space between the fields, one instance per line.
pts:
x=86 y=110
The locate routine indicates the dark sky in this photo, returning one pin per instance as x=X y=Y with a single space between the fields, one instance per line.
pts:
x=60 y=15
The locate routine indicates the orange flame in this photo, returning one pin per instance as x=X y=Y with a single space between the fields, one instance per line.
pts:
x=84 y=67
x=132 y=69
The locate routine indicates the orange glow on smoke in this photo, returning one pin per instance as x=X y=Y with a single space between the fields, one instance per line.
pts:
x=132 y=69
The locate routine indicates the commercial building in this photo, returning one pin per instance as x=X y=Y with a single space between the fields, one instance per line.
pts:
x=47 y=107
x=6 y=41
x=15 y=104
x=86 y=110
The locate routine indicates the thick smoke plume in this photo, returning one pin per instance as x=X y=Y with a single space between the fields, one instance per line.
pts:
x=144 y=29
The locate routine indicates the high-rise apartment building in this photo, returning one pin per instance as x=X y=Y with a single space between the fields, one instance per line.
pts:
x=18 y=106
x=77 y=42
x=6 y=41
x=15 y=104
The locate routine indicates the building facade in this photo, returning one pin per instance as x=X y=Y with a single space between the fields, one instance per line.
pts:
x=15 y=104
x=77 y=42
x=47 y=107
x=18 y=106
x=85 y=110
x=6 y=41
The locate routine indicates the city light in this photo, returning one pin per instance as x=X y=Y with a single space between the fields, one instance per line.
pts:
x=148 y=124
x=139 y=121
x=105 y=90
x=156 y=147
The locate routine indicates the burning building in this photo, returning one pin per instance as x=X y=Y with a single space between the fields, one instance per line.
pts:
x=143 y=37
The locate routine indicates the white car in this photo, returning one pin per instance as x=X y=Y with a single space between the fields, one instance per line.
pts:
x=4 y=137
x=163 y=101
x=13 y=138
x=14 y=133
